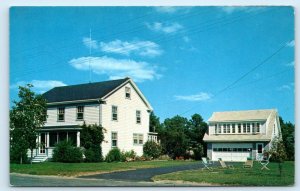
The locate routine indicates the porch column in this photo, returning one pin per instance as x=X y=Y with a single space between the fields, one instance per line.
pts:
x=47 y=142
x=78 y=138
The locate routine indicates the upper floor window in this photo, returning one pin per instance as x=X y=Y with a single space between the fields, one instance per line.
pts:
x=45 y=115
x=258 y=127
x=233 y=128
x=216 y=128
x=244 y=127
x=224 y=128
x=138 y=139
x=253 y=128
x=239 y=128
x=80 y=111
x=114 y=139
x=61 y=114
x=219 y=129
x=127 y=92
x=138 y=116
x=114 y=113
x=248 y=127
x=228 y=128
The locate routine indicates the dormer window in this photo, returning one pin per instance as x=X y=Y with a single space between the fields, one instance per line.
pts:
x=80 y=111
x=127 y=93
x=61 y=114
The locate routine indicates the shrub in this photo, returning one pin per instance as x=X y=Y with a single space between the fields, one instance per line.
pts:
x=91 y=137
x=93 y=154
x=65 y=152
x=16 y=155
x=152 y=149
x=198 y=152
x=114 y=155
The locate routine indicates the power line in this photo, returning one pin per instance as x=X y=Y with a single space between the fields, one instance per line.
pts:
x=242 y=77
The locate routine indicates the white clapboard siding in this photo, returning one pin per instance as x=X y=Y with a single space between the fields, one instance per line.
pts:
x=91 y=115
x=126 y=125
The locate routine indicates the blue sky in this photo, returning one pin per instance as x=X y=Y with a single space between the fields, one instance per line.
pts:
x=185 y=60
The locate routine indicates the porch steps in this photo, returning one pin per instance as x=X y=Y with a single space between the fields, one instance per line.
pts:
x=39 y=158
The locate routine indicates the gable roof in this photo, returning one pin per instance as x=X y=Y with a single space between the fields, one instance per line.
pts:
x=248 y=115
x=82 y=91
x=268 y=115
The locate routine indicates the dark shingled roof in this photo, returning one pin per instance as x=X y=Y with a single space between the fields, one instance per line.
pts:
x=82 y=91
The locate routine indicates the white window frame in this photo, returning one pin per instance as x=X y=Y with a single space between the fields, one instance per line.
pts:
x=114 y=118
x=61 y=113
x=79 y=112
x=127 y=92
x=114 y=139
x=233 y=128
x=138 y=115
x=139 y=139
x=258 y=127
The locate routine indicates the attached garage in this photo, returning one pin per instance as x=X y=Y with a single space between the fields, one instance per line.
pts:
x=231 y=151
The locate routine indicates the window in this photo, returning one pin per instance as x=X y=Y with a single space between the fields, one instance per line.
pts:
x=244 y=127
x=114 y=139
x=259 y=148
x=239 y=128
x=127 y=92
x=215 y=149
x=258 y=127
x=45 y=115
x=114 y=113
x=80 y=110
x=138 y=117
x=138 y=139
x=233 y=128
x=248 y=127
x=253 y=128
x=224 y=128
x=228 y=128
x=219 y=129
x=216 y=128
x=61 y=114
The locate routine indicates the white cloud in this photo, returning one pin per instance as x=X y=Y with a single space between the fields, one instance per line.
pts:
x=286 y=87
x=202 y=96
x=117 y=68
x=291 y=43
x=232 y=9
x=171 y=10
x=39 y=86
x=90 y=43
x=164 y=27
x=290 y=64
x=142 y=48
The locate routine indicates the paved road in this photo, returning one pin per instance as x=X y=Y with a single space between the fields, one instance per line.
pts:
x=21 y=180
x=144 y=174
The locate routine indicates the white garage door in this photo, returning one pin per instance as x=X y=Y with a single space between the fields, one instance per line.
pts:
x=231 y=151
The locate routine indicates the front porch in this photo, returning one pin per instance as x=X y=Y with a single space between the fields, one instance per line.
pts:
x=48 y=137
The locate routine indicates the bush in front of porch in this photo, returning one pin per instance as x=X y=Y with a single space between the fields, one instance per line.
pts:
x=66 y=152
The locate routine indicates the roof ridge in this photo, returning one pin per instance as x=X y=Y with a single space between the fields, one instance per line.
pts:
x=92 y=83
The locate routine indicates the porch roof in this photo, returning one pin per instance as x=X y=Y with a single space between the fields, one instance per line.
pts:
x=60 y=128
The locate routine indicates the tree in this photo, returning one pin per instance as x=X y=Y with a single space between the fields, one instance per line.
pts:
x=152 y=149
x=26 y=117
x=174 y=139
x=288 y=137
x=278 y=153
x=196 y=133
x=91 y=137
x=154 y=123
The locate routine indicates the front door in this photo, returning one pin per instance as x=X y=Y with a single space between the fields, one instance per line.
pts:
x=259 y=151
x=42 y=143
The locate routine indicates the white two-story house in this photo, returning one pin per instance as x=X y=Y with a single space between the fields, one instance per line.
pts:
x=118 y=105
x=238 y=135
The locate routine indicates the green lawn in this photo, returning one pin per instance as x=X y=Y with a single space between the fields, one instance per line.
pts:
x=238 y=176
x=75 y=169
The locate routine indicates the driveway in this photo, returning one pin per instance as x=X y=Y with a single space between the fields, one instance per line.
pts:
x=144 y=174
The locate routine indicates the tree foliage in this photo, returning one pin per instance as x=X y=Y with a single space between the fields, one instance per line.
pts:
x=288 y=137
x=179 y=135
x=26 y=117
x=91 y=137
x=152 y=149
